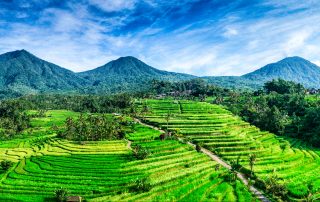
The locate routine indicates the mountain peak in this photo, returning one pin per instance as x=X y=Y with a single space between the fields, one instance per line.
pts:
x=295 y=69
x=124 y=61
x=293 y=59
x=127 y=58
x=17 y=53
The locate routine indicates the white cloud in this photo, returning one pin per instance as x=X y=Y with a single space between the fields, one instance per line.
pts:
x=114 y=5
x=297 y=40
x=317 y=62
x=230 y=32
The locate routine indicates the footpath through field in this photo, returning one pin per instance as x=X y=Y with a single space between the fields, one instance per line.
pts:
x=216 y=158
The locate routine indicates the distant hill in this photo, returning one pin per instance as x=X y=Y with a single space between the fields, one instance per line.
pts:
x=128 y=73
x=24 y=73
x=294 y=69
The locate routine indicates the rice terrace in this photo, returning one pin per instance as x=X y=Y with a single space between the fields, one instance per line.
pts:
x=159 y=100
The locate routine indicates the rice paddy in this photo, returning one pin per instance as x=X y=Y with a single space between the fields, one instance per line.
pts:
x=106 y=170
x=229 y=137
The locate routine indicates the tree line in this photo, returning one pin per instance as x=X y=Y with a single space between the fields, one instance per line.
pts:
x=13 y=119
x=281 y=107
x=94 y=127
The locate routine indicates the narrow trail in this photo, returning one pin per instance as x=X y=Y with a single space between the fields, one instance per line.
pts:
x=129 y=144
x=259 y=195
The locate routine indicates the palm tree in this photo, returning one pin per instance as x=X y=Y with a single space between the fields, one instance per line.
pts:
x=252 y=161
x=168 y=117
x=312 y=195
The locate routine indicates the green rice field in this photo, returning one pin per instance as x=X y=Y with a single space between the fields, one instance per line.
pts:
x=106 y=170
x=229 y=137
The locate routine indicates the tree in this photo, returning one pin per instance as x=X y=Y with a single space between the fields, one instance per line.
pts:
x=235 y=164
x=283 y=146
x=219 y=100
x=6 y=164
x=167 y=118
x=95 y=127
x=283 y=87
x=145 y=109
x=141 y=185
x=61 y=194
x=140 y=152
x=198 y=148
x=231 y=176
x=274 y=187
x=252 y=161
x=276 y=121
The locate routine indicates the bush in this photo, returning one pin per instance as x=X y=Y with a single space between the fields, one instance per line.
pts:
x=198 y=148
x=61 y=195
x=5 y=165
x=141 y=185
x=140 y=152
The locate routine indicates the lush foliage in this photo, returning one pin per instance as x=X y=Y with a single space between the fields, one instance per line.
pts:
x=94 y=128
x=61 y=195
x=186 y=89
x=281 y=108
x=140 y=152
x=13 y=119
x=5 y=165
x=78 y=103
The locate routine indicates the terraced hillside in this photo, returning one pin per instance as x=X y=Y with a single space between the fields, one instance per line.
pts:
x=107 y=170
x=231 y=138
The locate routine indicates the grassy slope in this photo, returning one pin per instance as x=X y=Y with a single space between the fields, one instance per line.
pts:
x=230 y=137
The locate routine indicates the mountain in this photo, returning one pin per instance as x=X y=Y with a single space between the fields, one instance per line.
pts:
x=128 y=73
x=294 y=69
x=24 y=73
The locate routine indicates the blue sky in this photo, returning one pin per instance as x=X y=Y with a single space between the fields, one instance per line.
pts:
x=201 y=37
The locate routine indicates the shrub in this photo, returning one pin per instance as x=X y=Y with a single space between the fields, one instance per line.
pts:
x=61 y=194
x=141 y=185
x=5 y=165
x=198 y=148
x=140 y=152
x=230 y=176
x=278 y=190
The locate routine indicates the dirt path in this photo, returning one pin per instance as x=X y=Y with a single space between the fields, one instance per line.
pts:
x=129 y=144
x=259 y=195
x=240 y=176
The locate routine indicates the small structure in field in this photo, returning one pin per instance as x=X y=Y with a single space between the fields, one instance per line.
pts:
x=74 y=199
